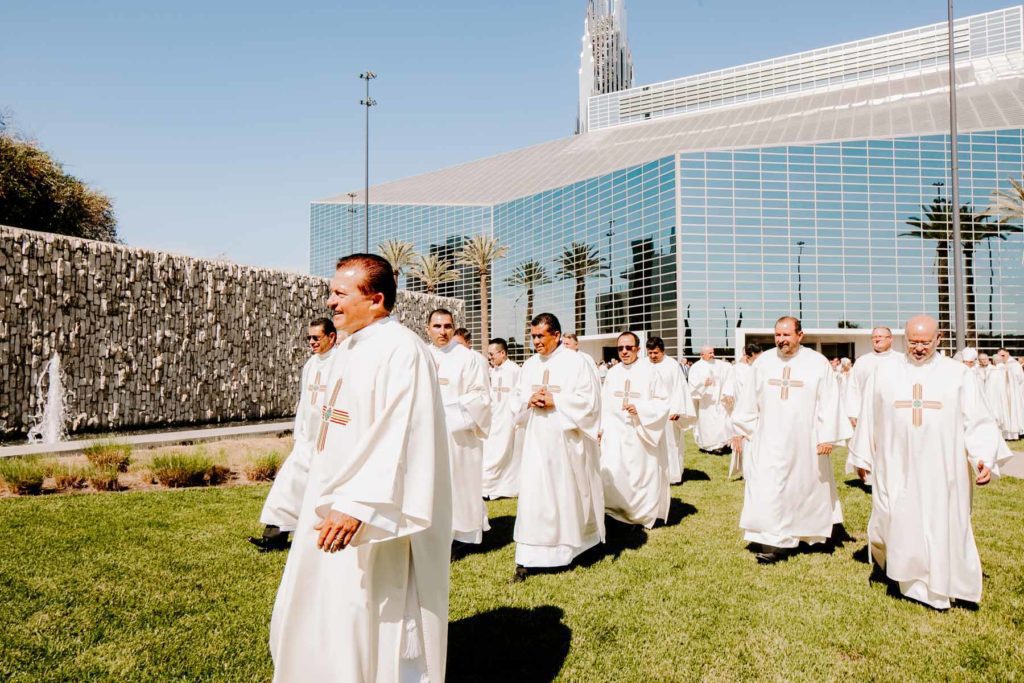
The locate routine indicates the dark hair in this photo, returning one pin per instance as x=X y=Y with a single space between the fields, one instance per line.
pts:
x=752 y=349
x=1001 y=349
x=636 y=339
x=464 y=333
x=325 y=324
x=789 y=318
x=548 y=319
x=378 y=276
x=440 y=311
x=500 y=342
x=655 y=343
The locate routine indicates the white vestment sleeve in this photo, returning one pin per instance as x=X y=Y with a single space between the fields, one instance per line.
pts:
x=745 y=413
x=472 y=409
x=982 y=436
x=579 y=407
x=861 y=451
x=831 y=422
x=652 y=412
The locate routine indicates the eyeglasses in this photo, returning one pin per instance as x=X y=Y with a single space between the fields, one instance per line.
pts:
x=626 y=348
x=313 y=338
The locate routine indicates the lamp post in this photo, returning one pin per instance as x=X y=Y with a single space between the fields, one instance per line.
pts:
x=799 y=279
x=609 y=235
x=959 y=301
x=368 y=102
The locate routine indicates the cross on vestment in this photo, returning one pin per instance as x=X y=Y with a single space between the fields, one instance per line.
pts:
x=330 y=415
x=785 y=383
x=626 y=394
x=918 y=405
x=316 y=388
x=500 y=389
x=554 y=389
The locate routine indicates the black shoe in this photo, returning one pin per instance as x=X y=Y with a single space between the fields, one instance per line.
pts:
x=521 y=574
x=771 y=555
x=272 y=539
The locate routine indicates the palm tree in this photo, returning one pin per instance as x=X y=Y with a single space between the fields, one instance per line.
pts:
x=479 y=253
x=1007 y=205
x=399 y=254
x=937 y=225
x=578 y=262
x=432 y=271
x=528 y=275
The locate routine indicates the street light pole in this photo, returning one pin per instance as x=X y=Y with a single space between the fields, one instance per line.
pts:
x=368 y=102
x=959 y=301
x=799 y=279
x=609 y=235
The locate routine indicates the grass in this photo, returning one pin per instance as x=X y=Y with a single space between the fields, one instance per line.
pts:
x=263 y=467
x=163 y=586
x=109 y=454
x=23 y=475
x=178 y=470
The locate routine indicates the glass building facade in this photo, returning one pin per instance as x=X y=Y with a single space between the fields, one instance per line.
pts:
x=708 y=234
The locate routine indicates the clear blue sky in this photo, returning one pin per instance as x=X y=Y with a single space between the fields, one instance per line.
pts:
x=214 y=124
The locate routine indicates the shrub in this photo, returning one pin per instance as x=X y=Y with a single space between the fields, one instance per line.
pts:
x=264 y=467
x=22 y=475
x=103 y=478
x=177 y=470
x=109 y=454
x=70 y=476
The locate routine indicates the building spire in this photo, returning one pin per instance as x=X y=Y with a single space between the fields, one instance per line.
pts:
x=606 y=64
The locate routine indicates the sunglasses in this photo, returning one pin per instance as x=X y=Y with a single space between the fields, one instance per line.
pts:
x=625 y=348
x=312 y=338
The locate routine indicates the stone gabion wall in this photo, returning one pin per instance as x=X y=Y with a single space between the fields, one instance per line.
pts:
x=150 y=339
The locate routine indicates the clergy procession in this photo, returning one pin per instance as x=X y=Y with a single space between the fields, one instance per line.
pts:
x=399 y=444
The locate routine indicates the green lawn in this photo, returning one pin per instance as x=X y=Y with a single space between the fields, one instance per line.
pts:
x=163 y=586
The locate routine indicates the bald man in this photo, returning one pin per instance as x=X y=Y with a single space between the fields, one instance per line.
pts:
x=926 y=434
x=707 y=380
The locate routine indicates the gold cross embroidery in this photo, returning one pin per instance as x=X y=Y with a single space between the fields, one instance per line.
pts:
x=785 y=383
x=443 y=381
x=330 y=415
x=918 y=405
x=316 y=388
x=626 y=394
x=544 y=384
x=499 y=389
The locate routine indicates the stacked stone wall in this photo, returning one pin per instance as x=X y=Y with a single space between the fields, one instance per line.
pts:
x=149 y=339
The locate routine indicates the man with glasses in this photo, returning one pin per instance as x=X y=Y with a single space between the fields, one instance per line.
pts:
x=791 y=412
x=281 y=509
x=634 y=455
x=503 y=446
x=561 y=500
x=926 y=435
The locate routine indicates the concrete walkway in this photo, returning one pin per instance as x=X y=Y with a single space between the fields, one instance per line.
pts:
x=153 y=439
x=1014 y=468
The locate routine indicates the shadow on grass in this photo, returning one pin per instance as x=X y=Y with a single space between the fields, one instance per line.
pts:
x=856 y=483
x=695 y=475
x=618 y=538
x=499 y=536
x=508 y=644
x=678 y=511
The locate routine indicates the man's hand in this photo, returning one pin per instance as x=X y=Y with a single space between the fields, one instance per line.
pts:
x=824 y=449
x=737 y=445
x=336 y=531
x=862 y=473
x=709 y=381
x=729 y=402
x=984 y=474
x=673 y=418
x=630 y=408
x=542 y=399
x=853 y=422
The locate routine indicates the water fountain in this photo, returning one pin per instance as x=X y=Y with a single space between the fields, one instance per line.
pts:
x=50 y=427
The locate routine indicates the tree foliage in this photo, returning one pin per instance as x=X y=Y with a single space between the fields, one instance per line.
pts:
x=37 y=194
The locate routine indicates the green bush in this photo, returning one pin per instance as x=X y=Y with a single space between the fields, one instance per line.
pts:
x=70 y=476
x=177 y=470
x=103 y=478
x=107 y=454
x=264 y=467
x=22 y=475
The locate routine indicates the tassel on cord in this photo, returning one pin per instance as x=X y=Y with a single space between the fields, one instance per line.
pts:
x=411 y=640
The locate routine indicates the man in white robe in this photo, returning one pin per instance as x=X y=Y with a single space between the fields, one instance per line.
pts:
x=281 y=509
x=881 y=351
x=681 y=411
x=634 y=454
x=791 y=413
x=561 y=499
x=364 y=594
x=1015 y=396
x=733 y=388
x=984 y=369
x=504 y=445
x=707 y=380
x=925 y=433
x=462 y=376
